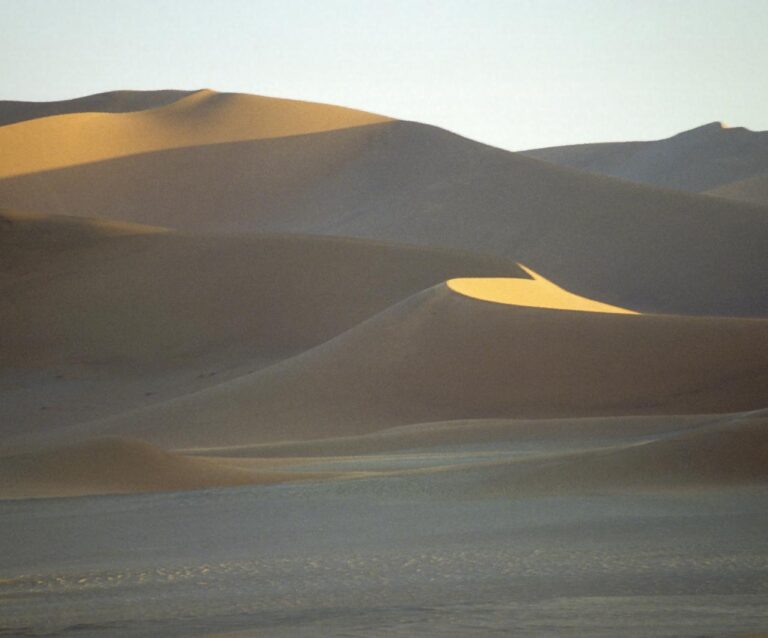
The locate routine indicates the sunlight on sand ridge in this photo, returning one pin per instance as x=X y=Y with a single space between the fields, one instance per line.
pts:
x=537 y=292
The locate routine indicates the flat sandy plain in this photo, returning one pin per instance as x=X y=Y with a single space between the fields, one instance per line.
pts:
x=270 y=368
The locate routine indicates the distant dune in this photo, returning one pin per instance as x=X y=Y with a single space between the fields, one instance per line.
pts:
x=753 y=190
x=110 y=102
x=114 y=465
x=203 y=117
x=624 y=244
x=441 y=356
x=717 y=455
x=698 y=160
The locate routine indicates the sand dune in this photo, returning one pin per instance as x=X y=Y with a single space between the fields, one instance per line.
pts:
x=99 y=317
x=455 y=434
x=204 y=117
x=442 y=356
x=536 y=292
x=110 y=102
x=626 y=245
x=715 y=455
x=753 y=190
x=698 y=160
x=114 y=465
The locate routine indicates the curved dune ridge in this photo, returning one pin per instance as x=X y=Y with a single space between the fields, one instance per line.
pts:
x=42 y=230
x=112 y=465
x=700 y=159
x=753 y=190
x=204 y=117
x=536 y=292
x=441 y=356
x=720 y=454
x=100 y=317
x=625 y=244
x=12 y=111
x=554 y=457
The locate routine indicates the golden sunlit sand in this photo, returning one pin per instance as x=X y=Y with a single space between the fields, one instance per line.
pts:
x=536 y=292
x=205 y=117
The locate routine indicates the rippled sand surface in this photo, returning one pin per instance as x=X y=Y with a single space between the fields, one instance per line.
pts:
x=374 y=557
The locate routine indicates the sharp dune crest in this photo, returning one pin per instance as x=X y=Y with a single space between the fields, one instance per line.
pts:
x=100 y=317
x=698 y=160
x=442 y=356
x=536 y=292
x=109 y=102
x=203 y=117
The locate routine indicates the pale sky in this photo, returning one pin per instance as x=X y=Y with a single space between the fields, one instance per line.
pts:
x=513 y=73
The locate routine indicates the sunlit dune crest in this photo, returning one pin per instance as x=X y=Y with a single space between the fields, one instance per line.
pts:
x=205 y=117
x=537 y=292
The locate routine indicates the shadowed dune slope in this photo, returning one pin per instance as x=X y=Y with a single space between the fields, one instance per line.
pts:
x=115 y=465
x=89 y=291
x=442 y=356
x=203 y=117
x=719 y=454
x=111 y=102
x=697 y=160
x=100 y=317
x=753 y=190
x=624 y=244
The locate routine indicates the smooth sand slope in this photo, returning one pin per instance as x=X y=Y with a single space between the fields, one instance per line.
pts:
x=442 y=356
x=564 y=456
x=721 y=454
x=111 y=102
x=100 y=316
x=454 y=435
x=698 y=160
x=624 y=244
x=114 y=465
x=204 y=117
x=753 y=190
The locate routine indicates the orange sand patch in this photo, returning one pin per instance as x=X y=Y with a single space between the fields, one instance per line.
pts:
x=537 y=292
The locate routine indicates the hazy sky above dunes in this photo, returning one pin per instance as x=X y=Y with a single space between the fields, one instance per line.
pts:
x=513 y=73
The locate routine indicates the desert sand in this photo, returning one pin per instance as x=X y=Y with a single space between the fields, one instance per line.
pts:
x=109 y=102
x=239 y=164
x=704 y=158
x=101 y=317
x=202 y=118
x=439 y=355
x=536 y=292
x=305 y=370
x=114 y=466
x=753 y=190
